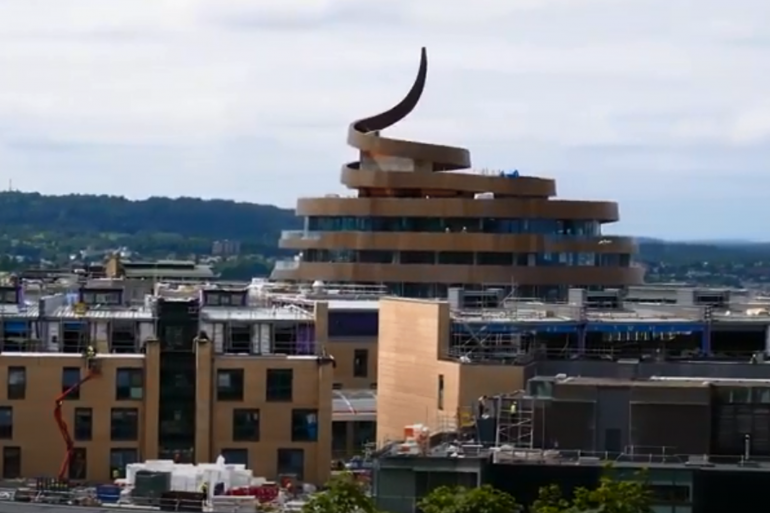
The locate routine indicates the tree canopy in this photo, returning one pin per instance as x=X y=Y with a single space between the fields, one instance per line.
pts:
x=345 y=495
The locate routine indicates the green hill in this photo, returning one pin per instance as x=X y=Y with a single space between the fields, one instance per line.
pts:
x=53 y=227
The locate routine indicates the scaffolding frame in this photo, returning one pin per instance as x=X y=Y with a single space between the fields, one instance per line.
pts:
x=515 y=420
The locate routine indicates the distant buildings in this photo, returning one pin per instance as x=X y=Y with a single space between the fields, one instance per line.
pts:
x=226 y=248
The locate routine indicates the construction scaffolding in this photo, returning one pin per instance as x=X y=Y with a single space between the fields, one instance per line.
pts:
x=515 y=419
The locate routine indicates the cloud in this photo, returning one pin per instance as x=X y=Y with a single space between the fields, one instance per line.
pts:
x=251 y=100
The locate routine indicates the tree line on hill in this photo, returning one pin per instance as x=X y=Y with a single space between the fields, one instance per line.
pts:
x=51 y=228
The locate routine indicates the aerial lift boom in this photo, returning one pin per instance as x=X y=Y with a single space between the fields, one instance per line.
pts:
x=93 y=371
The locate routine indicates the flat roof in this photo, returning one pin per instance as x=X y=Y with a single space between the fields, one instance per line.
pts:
x=254 y=314
x=96 y=313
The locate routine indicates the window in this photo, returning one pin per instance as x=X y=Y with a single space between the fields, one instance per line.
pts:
x=239 y=340
x=124 y=424
x=129 y=384
x=364 y=433
x=6 y=422
x=124 y=336
x=304 y=425
x=119 y=458
x=11 y=462
x=245 y=425
x=440 y=391
x=291 y=462
x=83 y=424
x=235 y=456
x=79 y=465
x=17 y=382
x=279 y=384
x=360 y=363
x=70 y=377
x=670 y=494
x=353 y=324
x=230 y=385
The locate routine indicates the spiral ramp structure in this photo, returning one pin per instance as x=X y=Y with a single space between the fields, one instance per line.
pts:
x=419 y=223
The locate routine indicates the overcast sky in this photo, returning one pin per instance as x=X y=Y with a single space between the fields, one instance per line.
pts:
x=663 y=105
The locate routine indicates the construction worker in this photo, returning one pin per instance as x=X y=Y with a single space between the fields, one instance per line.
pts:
x=115 y=474
x=205 y=490
x=90 y=352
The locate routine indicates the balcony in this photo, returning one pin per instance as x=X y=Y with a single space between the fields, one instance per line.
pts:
x=300 y=234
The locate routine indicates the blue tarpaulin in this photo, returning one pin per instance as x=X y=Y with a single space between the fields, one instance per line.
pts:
x=645 y=327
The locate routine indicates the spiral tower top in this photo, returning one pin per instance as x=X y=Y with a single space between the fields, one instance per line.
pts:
x=420 y=225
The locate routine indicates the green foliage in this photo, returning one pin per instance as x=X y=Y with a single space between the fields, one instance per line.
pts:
x=611 y=496
x=468 y=500
x=343 y=495
x=53 y=227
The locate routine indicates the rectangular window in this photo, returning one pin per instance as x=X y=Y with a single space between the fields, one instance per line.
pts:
x=360 y=363
x=79 y=465
x=70 y=376
x=11 y=462
x=6 y=423
x=440 y=391
x=304 y=425
x=246 y=425
x=239 y=339
x=119 y=458
x=17 y=382
x=230 y=385
x=280 y=385
x=291 y=462
x=129 y=384
x=83 y=425
x=124 y=425
x=353 y=324
x=235 y=456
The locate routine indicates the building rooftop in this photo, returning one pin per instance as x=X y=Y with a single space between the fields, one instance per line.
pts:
x=129 y=313
x=254 y=314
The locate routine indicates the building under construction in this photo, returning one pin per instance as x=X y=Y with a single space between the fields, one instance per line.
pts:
x=188 y=374
x=692 y=436
x=522 y=389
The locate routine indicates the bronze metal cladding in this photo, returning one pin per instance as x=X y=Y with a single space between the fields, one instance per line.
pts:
x=398 y=178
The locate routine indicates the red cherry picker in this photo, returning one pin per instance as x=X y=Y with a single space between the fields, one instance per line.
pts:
x=93 y=371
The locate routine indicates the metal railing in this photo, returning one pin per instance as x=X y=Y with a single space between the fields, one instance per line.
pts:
x=300 y=234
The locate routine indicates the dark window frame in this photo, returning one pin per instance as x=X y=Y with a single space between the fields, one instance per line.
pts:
x=301 y=430
x=134 y=377
x=78 y=469
x=124 y=424
x=118 y=460
x=235 y=390
x=67 y=373
x=283 y=464
x=241 y=452
x=8 y=453
x=246 y=425
x=351 y=324
x=277 y=388
x=83 y=433
x=16 y=391
x=6 y=428
x=441 y=385
x=360 y=363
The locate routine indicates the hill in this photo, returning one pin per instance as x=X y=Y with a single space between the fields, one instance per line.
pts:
x=53 y=227
x=46 y=226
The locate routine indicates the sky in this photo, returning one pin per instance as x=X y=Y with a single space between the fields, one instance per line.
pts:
x=661 y=105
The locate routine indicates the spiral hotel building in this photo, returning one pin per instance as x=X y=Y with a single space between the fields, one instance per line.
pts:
x=420 y=224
